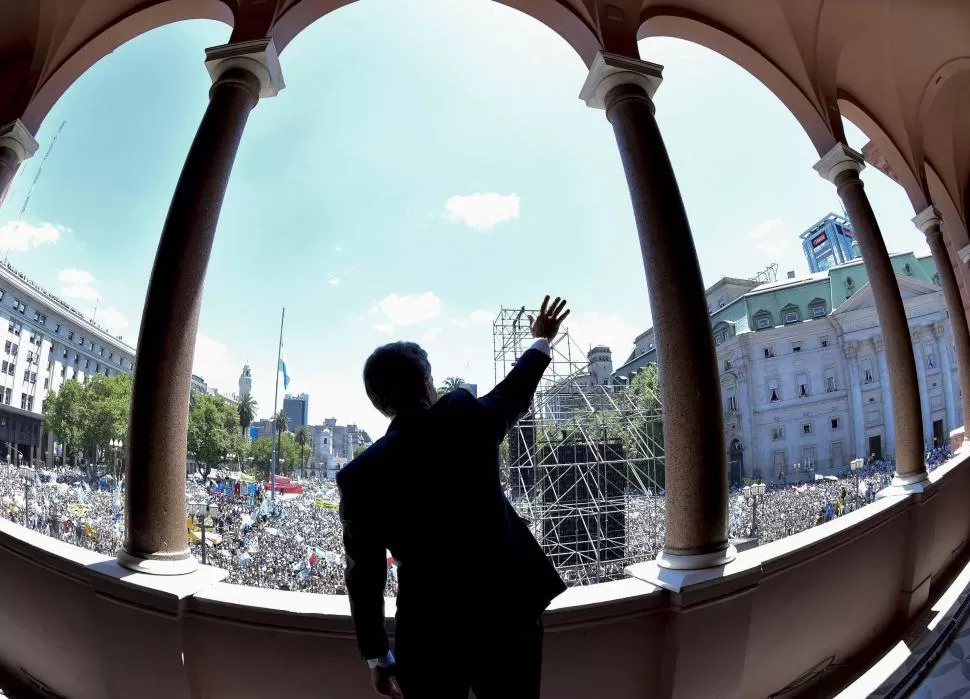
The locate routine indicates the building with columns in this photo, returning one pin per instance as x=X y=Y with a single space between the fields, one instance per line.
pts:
x=803 y=370
x=699 y=620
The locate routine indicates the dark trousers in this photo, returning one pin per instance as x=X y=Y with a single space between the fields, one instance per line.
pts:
x=443 y=661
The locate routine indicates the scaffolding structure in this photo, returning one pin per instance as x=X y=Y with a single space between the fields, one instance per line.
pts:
x=586 y=464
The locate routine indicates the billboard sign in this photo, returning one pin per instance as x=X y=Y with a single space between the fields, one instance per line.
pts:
x=819 y=239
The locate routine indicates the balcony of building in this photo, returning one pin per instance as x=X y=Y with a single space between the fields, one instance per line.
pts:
x=819 y=612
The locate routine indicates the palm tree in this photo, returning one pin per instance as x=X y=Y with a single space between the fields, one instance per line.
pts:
x=302 y=438
x=450 y=384
x=247 y=411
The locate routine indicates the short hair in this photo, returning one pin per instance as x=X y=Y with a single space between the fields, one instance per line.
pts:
x=396 y=376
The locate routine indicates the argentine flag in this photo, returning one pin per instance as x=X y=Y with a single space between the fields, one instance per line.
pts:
x=282 y=368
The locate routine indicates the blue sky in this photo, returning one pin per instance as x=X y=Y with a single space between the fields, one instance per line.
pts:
x=428 y=162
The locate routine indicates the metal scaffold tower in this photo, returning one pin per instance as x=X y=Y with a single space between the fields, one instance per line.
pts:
x=586 y=464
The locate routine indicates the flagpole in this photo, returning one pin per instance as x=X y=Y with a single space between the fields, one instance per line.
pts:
x=276 y=395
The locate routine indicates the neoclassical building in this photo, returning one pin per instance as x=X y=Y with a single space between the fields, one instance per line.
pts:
x=803 y=370
x=701 y=620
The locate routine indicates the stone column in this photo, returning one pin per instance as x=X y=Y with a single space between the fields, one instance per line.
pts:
x=929 y=221
x=842 y=165
x=887 y=404
x=696 y=467
x=747 y=416
x=924 y=399
x=946 y=376
x=155 y=536
x=16 y=145
x=851 y=351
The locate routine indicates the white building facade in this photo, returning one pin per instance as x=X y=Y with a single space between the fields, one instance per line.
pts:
x=46 y=342
x=804 y=377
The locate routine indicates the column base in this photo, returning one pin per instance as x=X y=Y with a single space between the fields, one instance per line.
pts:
x=156 y=566
x=902 y=484
x=675 y=572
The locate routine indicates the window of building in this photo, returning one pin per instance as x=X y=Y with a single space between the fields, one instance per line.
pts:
x=790 y=317
x=11 y=348
x=931 y=361
x=777 y=433
x=867 y=375
x=23 y=401
x=90 y=346
x=774 y=394
x=63 y=371
x=727 y=365
x=830 y=386
x=40 y=317
x=835 y=423
x=823 y=341
x=804 y=386
x=818 y=311
x=762 y=319
x=50 y=365
x=936 y=279
x=7 y=394
x=30 y=402
x=807 y=428
x=33 y=377
x=15 y=328
x=47 y=383
x=80 y=341
x=26 y=374
x=769 y=352
x=70 y=335
x=97 y=368
x=64 y=355
x=111 y=355
x=721 y=301
x=19 y=306
x=87 y=364
x=817 y=307
x=796 y=347
x=100 y=351
x=849 y=283
x=77 y=358
x=907 y=270
x=732 y=404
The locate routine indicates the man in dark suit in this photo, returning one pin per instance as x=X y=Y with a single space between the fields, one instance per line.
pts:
x=472 y=579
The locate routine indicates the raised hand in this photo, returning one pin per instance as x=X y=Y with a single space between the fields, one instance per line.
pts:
x=546 y=324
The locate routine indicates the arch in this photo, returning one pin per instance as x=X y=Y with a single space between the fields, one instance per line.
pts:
x=910 y=181
x=561 y=17
x=954 y=230
x=743 y=54
x=111 y=37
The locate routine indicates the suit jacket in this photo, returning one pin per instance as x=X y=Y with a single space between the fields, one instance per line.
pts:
x=429 y=491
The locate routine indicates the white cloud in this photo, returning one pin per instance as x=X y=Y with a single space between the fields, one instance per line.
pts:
x=771 y=237
x=339 y=248
x=112 y=319
x=482 y=317
x=593 y=328
x=332 y=280
x=211 y=358
x=431 y=335
x=408 y=309
x=386 y=328
x=78 y=284
x=482 y=211
x=20 y=235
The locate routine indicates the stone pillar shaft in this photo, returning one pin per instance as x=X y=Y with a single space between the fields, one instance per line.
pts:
x=946 y=377
x=16 y=145
x=855 y=402
x=930 y=225
x=904 y=385
x=155 y=535
x=924 y=398
x=887 y=406
x=696 y=464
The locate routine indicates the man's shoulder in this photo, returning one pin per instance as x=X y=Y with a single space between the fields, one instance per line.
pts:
x=361 y=464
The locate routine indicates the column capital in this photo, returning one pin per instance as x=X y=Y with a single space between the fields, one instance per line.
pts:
x=928 y=221
x=838 y=160
x=610 y=70
x=879 y=343
x=17 y=137
x=850 y=349
x=938 y=330
x=259 y=57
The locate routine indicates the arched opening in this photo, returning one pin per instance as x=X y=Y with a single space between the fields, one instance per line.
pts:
x=736 y=463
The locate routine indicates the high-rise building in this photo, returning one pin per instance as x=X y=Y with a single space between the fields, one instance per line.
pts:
x=245 y=381
x=297 y=410
x=829 y=243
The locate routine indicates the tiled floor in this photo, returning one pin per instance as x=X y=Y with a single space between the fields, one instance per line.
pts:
x=950 y=676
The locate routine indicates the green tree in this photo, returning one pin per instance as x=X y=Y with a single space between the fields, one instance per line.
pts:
x=303 y=440
x=288 y=454
x=64 y=415
x=450 y=384
x=261 y=451
x=108 y=401
x=213 y=432
x=247 y=412
x=359 y=449
x=282 y=422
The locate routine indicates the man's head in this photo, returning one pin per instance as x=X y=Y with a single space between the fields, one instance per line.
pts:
x=397 y=378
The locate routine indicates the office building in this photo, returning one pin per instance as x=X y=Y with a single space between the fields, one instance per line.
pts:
x=828 y=243
x=297 y=408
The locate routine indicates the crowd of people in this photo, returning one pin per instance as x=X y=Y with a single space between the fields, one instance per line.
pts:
x=294 y=542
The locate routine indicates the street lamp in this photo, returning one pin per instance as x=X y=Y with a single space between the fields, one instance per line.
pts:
x=754 y=493
x=202 y=511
